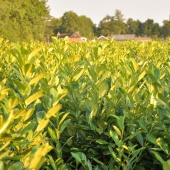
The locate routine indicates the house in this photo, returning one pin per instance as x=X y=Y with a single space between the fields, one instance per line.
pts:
x=73 y=37
x=123 y=37
x=126 y=37
x=143 y=39
x=84 y=39
x=63 y=35
x=103 y=38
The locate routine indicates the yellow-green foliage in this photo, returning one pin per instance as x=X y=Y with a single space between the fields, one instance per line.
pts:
x=102 y=105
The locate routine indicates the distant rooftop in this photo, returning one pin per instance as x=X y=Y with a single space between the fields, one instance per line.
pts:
x=123 y=37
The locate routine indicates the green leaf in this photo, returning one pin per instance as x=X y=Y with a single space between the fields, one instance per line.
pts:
x=63 y=118
x=79 y=73
x=163 y=145
x=52 y=134
x=64 y=124
x=117 y=130
x=132 y=135
x=36 y=79
x=33 y=53
x=166 y=164
x=102 y=142
x=114 y=137
x=6 y=123
x=28 y=70
x=42 y=124
x=99 y=162
x=69 y=141
x=53 y=111
x=160 y=102
x=19 y=84
x=28 y=114
x=4 y=146
x=135 y=155
x=81 y=158
x=38 y=156
x=18 y=73
x=151 y=139
x=143 y=125
x=34 y=97
x=52 y=162
x=141 y=75
x=4 y=154
x=140 y=138
x=112 y=153
x=120 y=122
x=103 y=88
x=13 y=102
x=76 y=156
x=29 y=127
x=2 y=166
x=16 y=166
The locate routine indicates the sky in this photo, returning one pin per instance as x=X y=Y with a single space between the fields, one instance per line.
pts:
x=158 y=10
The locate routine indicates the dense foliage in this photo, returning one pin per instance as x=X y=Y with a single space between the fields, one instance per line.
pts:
x=23 y=20
x=116 y=24
x=84 y=106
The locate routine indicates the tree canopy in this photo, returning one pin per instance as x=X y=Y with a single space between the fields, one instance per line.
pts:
x=71 y=22
x=23 y=20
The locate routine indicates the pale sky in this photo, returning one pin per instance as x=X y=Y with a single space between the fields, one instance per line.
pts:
x=158 y=10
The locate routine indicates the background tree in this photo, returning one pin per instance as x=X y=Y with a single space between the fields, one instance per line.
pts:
x=165 y=29
x=51 y=26
x=70 y=22
x=106 y=26
x=140 y=29
x=113 y=24
x=132 y=26
x=86 y=27
x=156 y=31
x=119 y=26
x=148 y=27
x=23 y=20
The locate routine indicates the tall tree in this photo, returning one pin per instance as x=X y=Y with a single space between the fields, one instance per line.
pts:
x=70 y=22
x=119 y=16
x=119 y=26
x=113 y=24
x=156 y=31
x=131 y=26
x=140 y=29
x=148 y=27
x=23 y=20
x=106 y=26
x=86 y=26
x=52 y=27
x=165 y=30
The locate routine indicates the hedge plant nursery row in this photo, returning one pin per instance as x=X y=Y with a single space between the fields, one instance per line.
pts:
x=101 y=105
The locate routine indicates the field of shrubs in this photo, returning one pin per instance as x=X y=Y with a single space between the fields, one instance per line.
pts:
x=85 y=106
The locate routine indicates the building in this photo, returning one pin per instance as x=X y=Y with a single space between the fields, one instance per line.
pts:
x=103 y=38
x=123 y=37
x=127 y=37
x=143 y=39
x=73 y=37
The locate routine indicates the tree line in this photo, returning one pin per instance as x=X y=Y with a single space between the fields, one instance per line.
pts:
x=23 y=20
x=71 y=22
x=30 y=20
